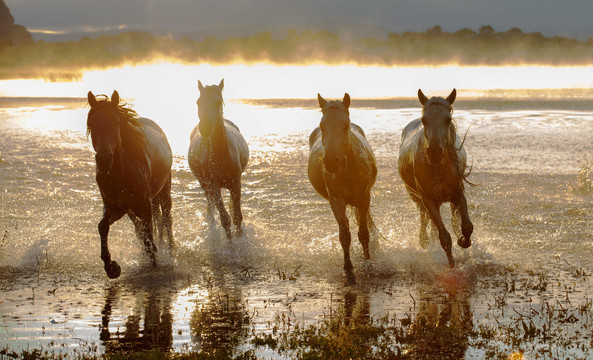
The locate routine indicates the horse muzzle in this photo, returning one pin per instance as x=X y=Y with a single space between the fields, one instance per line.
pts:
x=335 y=164
x=435 y=155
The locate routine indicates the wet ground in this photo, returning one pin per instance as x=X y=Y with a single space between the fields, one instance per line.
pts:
x=524 y=285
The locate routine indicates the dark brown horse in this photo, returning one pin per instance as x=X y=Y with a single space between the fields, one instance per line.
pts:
x=217 y=155
x=432 y=163
x=342 y=169
x=133 y=173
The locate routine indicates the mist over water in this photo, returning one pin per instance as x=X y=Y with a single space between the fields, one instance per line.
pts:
x=531 y=211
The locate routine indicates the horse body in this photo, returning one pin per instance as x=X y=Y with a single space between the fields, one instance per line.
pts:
x=133 y=159
x=342 y=168
x=218 y=155
x=432 y=164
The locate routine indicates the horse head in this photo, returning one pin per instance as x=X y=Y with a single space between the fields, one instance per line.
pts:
x=335 y=132
x=103 y=125
x=437 y=122
x=210 y=105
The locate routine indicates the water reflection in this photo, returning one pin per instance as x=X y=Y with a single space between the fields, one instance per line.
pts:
x=218 y=322
x=149 y=326
x=442 y=324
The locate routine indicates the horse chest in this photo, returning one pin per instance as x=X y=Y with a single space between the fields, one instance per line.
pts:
x=343 y=186
x=440 y=183
x=122 y=192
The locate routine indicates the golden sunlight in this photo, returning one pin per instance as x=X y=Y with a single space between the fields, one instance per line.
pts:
x=175 y=81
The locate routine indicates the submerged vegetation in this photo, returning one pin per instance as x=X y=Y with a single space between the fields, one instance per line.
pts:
x=66 y=60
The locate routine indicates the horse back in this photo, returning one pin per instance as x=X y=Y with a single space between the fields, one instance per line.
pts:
x=237 y=143
x=159 y=154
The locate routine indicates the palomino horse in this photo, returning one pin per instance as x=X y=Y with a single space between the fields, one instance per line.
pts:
x=342 y=169
x=217 y=156
x=133 y=173
x=432 y=164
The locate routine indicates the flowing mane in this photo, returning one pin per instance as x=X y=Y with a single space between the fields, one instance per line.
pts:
x=133 y=137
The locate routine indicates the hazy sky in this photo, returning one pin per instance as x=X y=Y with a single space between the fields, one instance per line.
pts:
x=558 y=17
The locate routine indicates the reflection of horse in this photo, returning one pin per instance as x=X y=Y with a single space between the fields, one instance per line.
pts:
x=133 y=173
x=342 y=169
x=432 y=164
x=156 y=331
x=218 y=155
x=441 y=326
x=218 y=324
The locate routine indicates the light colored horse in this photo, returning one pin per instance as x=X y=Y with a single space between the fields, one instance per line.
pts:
x=342 y=169
x=134 y=161
x=218 y=155
x=432 y=164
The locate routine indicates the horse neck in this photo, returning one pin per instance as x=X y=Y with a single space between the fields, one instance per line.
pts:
x=220 y=140
x=355 y=148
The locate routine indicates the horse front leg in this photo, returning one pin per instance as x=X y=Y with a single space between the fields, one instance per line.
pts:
x=225 y=219
x=338 y=206
x=144 y=214
x=467 y=228
x=363 y=226
x=110 y=216
x=236 y=207
x=444 y=237
x=424 y=218
x=165 y=203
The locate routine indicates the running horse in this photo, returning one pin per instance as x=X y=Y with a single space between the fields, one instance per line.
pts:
x=133 y=163
x=218 y=155
x=432 y=164
x=342 y=169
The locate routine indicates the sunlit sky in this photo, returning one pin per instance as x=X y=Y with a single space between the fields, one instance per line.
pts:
x=369 y=17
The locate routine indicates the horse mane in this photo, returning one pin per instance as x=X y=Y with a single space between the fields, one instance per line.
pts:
x=133 y=137
x=451 y=144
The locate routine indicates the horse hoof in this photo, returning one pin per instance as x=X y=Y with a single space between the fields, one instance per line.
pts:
x=113 y=270
x=464 y=243
x=350 y=279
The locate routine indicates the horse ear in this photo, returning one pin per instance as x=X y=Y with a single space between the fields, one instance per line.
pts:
x=321 y=101
x=221 y=85
x=452 y=96
x=423 y=99
x=115 y=98
x=92 y=99
x=200 y=86
x=346 y=100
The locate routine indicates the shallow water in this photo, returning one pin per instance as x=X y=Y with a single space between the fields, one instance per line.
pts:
x=531 y=212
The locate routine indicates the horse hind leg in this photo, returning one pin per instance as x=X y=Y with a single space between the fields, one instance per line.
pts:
x=157 y=221
x=145 y=231
x=363 y=217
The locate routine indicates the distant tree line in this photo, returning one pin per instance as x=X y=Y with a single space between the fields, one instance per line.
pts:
x=56 y=60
